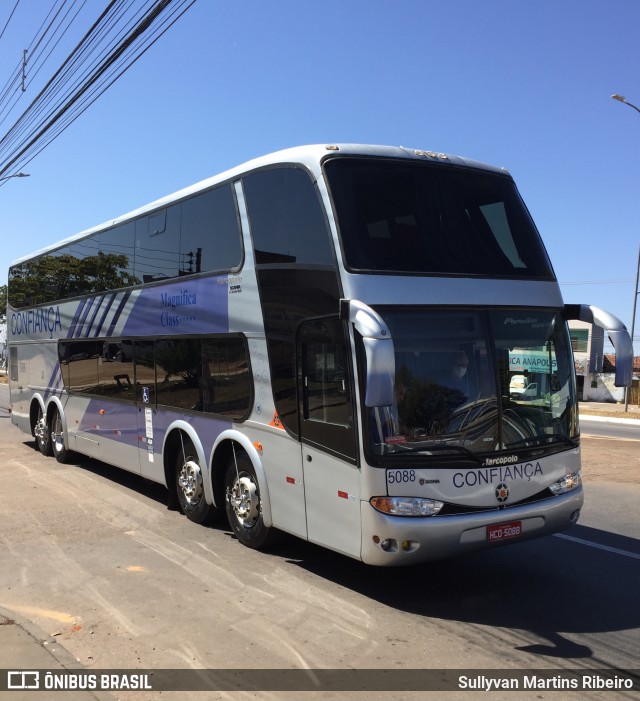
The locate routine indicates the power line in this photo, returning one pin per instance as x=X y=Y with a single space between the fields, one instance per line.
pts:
x=4 y=29
x=113 y=43
x=104 y=85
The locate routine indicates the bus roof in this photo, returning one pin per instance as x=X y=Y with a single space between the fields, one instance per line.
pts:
x=310 y=156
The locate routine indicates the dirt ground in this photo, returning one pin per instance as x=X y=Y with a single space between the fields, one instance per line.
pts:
x=610 y=460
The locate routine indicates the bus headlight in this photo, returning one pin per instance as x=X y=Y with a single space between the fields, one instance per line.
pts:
x=567 y=483
x=406 y=506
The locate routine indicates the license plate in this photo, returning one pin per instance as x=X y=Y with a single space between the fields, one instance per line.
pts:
x=504 y=531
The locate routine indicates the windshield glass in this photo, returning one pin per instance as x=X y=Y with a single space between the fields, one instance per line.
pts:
x=476 y=382
x=415 y=217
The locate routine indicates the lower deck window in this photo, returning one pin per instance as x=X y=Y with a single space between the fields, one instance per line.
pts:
x=195 y=374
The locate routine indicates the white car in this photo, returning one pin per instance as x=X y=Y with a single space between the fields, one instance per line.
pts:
x=524 y=393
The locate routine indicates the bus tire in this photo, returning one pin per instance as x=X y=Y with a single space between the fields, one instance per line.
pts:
x=190 y=486
x=43 y=434
x=243 y=505
x=56 y=436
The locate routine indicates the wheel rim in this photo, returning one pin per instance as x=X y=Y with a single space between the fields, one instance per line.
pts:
x=190 y=482
x=40 y=429
x=57 y=435
x=245 y=500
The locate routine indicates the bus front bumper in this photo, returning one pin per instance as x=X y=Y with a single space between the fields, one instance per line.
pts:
x=396 y=540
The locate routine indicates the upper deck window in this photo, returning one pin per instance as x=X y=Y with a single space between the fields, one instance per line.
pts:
x=196 y=235
x=412 y=217
x=287 y=220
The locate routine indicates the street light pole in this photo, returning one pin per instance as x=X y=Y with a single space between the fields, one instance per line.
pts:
x=15 y=175
x=621 y=98
x=633 y=328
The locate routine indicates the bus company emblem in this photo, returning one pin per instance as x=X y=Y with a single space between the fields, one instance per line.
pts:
x=502 y=492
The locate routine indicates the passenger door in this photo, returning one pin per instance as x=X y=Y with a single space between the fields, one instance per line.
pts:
x=327 y=430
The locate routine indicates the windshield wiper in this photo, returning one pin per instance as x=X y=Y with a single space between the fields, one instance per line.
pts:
x=539 y=440
x=454 y=448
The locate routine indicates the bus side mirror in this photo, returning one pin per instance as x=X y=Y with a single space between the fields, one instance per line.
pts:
x=378 y=347
x=617 y=333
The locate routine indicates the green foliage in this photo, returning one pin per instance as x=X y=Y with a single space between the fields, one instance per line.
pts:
x=52 y=277
x=181 y=360
x=3 y=303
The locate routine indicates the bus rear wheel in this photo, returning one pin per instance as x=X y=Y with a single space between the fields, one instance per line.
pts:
x=243 y=504
x=56 y=437
x=43 y=435
x=190 y=485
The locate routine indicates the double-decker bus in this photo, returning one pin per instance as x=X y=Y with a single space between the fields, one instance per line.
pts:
x=362 y=346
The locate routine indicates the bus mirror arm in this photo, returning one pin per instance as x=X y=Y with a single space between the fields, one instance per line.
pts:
x=378 y=346
x=617 y=333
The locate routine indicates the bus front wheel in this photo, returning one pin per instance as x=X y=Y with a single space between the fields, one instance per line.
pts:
x=190 y=486
x=244 y=508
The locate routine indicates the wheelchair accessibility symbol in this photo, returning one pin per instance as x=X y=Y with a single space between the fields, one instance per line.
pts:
x=145 y=395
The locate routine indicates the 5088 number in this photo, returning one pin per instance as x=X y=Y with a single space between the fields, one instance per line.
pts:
x=401 y=476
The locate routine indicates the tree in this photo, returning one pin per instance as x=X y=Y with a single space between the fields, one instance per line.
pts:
x=53 y=277
x=3 y=303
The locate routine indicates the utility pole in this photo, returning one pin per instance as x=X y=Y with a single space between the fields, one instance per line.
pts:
x=624 y=101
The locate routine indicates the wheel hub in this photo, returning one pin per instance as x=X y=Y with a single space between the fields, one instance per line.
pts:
x=190 y=481
x=40 y=429
x=245 y=500
x=57 y=437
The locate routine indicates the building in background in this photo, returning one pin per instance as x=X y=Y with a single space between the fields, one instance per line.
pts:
x=595 y=369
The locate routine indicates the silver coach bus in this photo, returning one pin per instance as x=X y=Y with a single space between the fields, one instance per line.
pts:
x=324 y=342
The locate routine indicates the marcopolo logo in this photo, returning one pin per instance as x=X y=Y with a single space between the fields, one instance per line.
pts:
x=530 y=321
x=503 y=460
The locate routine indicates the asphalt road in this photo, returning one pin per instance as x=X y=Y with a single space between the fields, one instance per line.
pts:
x=623 y=428
x=91 y=554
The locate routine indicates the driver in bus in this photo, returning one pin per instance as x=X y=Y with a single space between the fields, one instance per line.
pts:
x=458 y=373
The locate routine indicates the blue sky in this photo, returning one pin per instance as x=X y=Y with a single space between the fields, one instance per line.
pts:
x=520 y=84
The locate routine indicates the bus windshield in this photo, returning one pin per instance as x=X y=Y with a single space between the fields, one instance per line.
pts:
x=423 y=218
x=475 y=382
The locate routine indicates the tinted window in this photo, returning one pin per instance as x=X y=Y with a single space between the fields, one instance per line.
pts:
x=423 y=218
x=211 y=374
x=23 y=284
x=117 y=248
x=295 y=262
x=325 y=389
x=145 y=367
x=157 y=255
x=115 y=370
x=287 y=220
x=178 y=373
x=201 y=234
x=210 y=237
x=82 y=359
x=63 y=273
x=226 y=378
